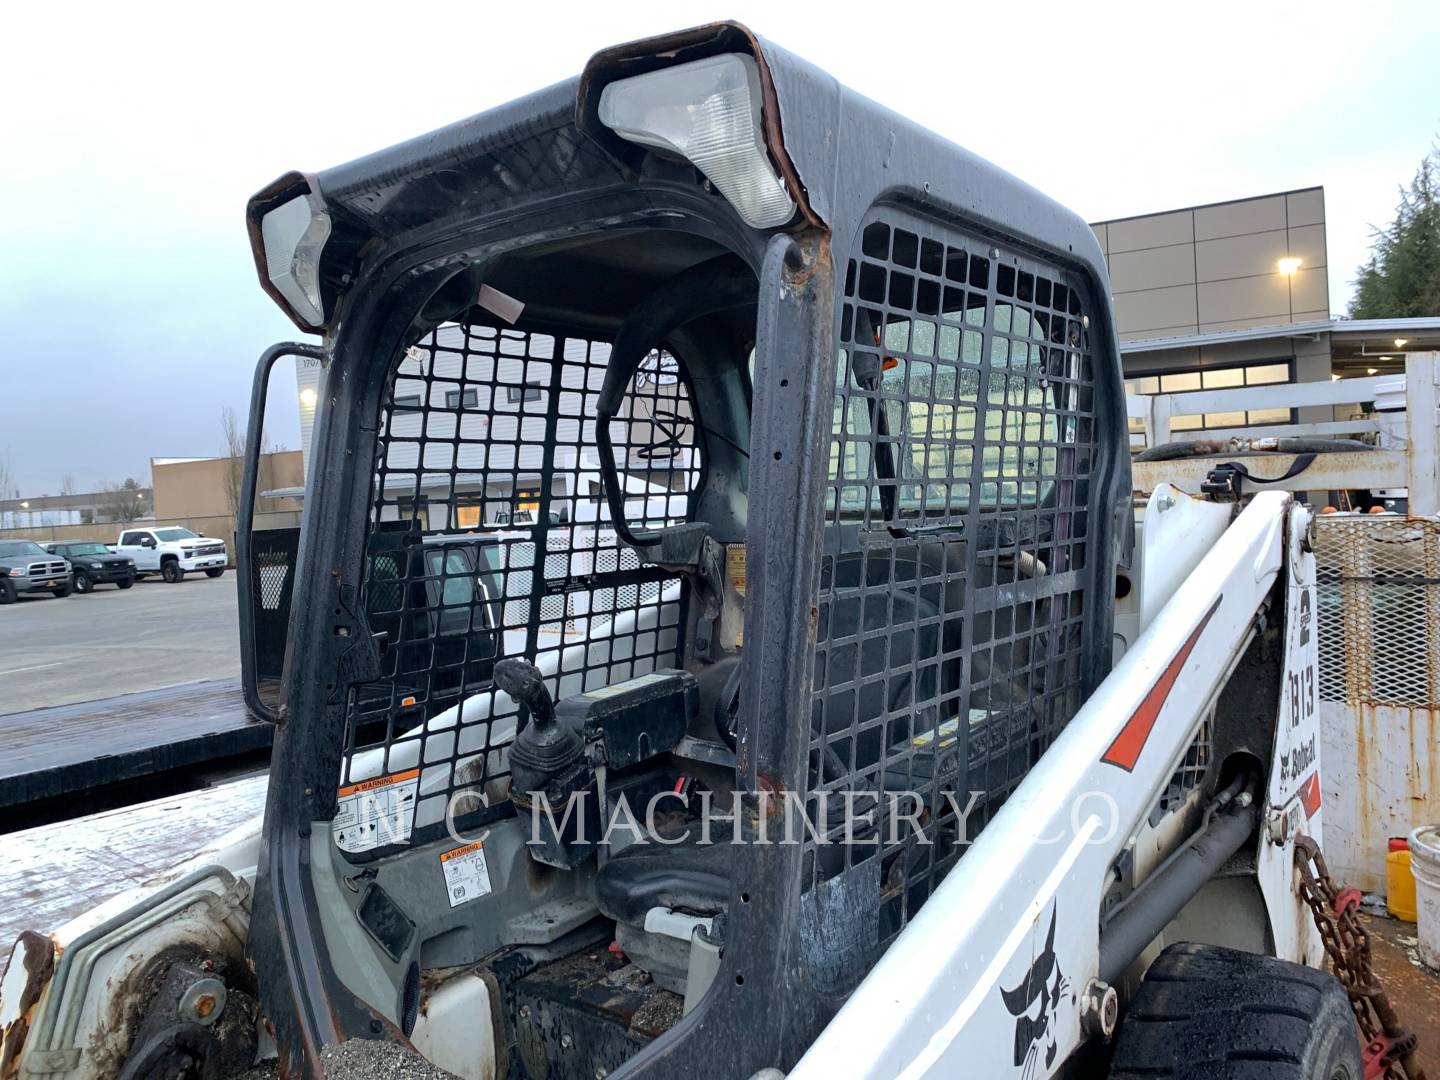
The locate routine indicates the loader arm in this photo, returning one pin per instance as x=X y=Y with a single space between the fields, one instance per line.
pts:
x=992 y=977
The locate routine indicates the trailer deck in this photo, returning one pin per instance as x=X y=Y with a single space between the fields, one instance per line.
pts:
x=61 y=752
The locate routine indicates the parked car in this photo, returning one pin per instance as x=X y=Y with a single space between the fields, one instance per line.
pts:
x=172 y=552
x=94 y=564
x=26 y=567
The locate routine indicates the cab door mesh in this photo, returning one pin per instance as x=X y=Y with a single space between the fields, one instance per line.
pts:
x=955 y=577
x=490 y=537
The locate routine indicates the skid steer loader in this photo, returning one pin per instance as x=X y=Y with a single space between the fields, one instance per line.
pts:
x=822 y=707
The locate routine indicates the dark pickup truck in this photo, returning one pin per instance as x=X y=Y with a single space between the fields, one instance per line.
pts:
x=94 y=564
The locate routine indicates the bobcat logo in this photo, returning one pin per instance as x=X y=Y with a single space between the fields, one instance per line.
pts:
x=1043 y=985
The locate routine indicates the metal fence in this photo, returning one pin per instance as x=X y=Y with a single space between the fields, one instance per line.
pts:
x=1378 y=592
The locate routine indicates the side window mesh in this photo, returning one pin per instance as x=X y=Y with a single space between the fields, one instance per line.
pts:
x=489 y=536
x=954 y=579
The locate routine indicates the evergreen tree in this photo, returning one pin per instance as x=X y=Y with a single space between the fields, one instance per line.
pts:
x=1402 y=277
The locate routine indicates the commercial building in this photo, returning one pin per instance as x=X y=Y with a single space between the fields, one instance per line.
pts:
x=1237 y=294
x=198 y=493
x=83 y=508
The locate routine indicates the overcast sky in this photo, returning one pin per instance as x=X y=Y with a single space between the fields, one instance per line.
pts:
x=131 y=136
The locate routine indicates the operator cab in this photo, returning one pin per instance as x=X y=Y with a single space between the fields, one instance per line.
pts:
x=670 y=512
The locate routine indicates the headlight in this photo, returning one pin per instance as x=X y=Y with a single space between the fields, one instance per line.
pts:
x=294 y=234
x=95 y=566
x=708 y=112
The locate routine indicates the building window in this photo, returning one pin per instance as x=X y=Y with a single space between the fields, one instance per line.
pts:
x=516 y=394
x=468 y=398
x=407 y=402
x=1230 y=376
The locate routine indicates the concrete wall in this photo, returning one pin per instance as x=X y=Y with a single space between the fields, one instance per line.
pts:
x=1212 y=268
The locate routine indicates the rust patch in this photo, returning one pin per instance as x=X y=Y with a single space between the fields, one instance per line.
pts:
x=38 y=956
x=768 y=782
x=819 y=265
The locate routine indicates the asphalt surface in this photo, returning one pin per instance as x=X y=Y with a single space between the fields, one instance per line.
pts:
x=107 y=642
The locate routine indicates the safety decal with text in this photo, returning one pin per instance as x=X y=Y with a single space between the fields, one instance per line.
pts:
x=376 y=813
x=467 y=877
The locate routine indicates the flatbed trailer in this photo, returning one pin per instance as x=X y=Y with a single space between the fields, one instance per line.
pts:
x=99 y=751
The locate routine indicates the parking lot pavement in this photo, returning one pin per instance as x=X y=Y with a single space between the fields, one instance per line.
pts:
x=57 y=652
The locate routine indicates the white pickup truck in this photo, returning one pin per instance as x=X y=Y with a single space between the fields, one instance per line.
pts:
x=172 y=551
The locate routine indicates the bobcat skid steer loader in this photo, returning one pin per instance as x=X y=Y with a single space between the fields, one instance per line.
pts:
x=821 y=709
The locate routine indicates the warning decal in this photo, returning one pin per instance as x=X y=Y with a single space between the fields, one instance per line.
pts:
x=466 y=875
x=735 y=566
x=376 y=813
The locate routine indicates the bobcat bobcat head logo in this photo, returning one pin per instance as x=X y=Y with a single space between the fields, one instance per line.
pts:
x=1043 y=986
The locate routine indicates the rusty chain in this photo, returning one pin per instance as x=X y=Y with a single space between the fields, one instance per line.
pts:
x=1389 y=1050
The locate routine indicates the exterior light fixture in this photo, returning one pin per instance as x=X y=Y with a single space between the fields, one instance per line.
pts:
x=294 y=234
x=708 y=112
x=307 y=397
x=1335 y=376
x=1289 y=265
x=1372 y=371
x=1401 y=342
x=1385 y=358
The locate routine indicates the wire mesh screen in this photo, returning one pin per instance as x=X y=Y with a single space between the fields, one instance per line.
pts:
x=272 y=561
x=954 y=578
x=1378 y=591
x=1194 y=767
x=490 y=537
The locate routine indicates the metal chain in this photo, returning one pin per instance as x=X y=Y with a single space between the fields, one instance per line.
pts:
x=1389 y=1050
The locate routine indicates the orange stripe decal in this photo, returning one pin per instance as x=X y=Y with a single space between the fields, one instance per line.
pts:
x=1124 y=752
x=1310 y=795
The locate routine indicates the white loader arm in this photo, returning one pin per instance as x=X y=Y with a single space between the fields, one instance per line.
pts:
x=991 y=977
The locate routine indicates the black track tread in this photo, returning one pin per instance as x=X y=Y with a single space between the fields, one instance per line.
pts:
x=1207 y=1013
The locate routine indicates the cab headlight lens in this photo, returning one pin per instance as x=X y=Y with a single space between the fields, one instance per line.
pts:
x=708 y=112
x=294 y=234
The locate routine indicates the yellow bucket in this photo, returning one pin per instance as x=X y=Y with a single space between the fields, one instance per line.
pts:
x=1400 y=882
